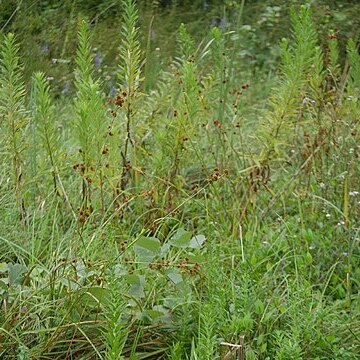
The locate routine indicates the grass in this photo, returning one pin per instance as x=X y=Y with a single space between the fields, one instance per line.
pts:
x=185 y=217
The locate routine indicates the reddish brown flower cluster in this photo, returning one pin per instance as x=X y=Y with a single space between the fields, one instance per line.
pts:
x=217 y=123
x=160 y=265
x=195 y=187
x=217 y=174
x=185 y=266
x=84 y=213
x=188 y=268
x=259 y=175
x=123 y=245
x=105 y=150
x=80 y=167
x=120 y=99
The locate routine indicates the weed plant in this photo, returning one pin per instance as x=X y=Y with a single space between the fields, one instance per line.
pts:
x=174 y=221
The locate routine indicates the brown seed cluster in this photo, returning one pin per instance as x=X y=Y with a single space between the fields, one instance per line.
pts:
x=84 y=213
x=80 y=167
x=217 y=123
x=120 y=99
x=259 y=175
x=188 y=268
x=184 y=264
x=123 y=245
x=160 y=265
x=216 y=174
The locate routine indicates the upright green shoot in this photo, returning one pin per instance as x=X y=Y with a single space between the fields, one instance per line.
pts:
x=90 y=124
x=43 y=117
x=12 y=109
x=129 y=75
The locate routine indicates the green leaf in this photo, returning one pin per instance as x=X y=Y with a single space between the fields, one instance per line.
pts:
x=147 y=248
x=4 y=284
x=181 y=239
x=3 y=268
x=94 y=296
x=133 y=279
x=198 y=258
x=137 y=283
x=175 y=276
x=16 y=273
x=197 y=241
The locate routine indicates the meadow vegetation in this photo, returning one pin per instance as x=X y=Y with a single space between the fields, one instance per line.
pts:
x=186 y=204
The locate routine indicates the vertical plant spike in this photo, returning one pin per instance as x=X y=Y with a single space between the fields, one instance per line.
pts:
x=333 y=66
x=116 y=331
x=186 y=43
x=297 y=64
x=220 y=76
x=90 y=124
x=220 y=70
x=43 y=117
x=12 y=108
x=184 y=122
x=354 y=72
x=206 y=344
x=129 y=81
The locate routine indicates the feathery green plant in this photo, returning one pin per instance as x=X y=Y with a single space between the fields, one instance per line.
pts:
x=90 y=124
x=116 y=330
x=12 y=108
x=184 y=122
x=333 y=53
x=298 y=61
x=43 y=117
x=354 y=73
x=207 y=343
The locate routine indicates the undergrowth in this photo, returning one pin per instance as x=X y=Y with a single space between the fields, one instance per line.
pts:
x=174 y=220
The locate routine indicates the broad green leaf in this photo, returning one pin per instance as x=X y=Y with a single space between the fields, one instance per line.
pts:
x=146 y=248
x=137 y=291
x=3 y=267
x=197 y=241
x=157 y=314
x=95 y=295
x=4 y=283
x=137 y=283
x=198 y=258
x=175 y=276
x=69 y=282
x=17 y=273
x=149 y=243
x=133 y=279
x=165 y=249
x=181 y=239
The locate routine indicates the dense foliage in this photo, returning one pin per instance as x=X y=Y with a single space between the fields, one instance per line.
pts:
x=179 y=200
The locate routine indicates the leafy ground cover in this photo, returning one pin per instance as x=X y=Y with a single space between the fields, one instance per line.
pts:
x=186 y=207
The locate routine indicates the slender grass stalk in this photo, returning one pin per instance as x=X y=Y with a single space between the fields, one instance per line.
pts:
x=129 y=75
